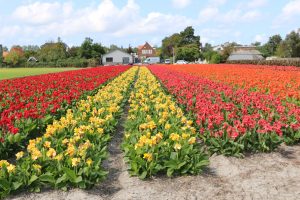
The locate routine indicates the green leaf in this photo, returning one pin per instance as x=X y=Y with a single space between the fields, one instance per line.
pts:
x=32 y=179
x=170 y=172
x=70 y=173
x=4 y=184
x=143 y=175
x=48 y=177
x=16 y=185
x=61 y=179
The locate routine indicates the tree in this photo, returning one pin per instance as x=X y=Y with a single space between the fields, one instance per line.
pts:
x=270 y=48
x=188 y=37
x=73 y=52
x=129 y=50
x=88 y=49
x=178 y=41
x=52 y=51
x=283 y=50
x=188 y=53
x=15 y=57
x=215 y=58
x=30 y=50
x=292 y=40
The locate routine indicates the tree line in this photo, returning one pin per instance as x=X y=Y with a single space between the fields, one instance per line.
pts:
x=57 y=54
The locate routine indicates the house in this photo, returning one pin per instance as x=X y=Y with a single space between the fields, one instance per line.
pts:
x=117 y=57
x=245 y=53
x=145 y=51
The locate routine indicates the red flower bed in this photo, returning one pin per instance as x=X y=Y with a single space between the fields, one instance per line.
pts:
x=283 y=82
x=27 y=103
x=233 y=120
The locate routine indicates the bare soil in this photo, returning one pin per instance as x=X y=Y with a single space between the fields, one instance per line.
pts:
x=261 y=176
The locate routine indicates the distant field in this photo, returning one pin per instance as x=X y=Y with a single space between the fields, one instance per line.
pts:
x=7 y=73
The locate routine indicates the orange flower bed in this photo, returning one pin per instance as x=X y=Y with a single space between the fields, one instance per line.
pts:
x=283 y=82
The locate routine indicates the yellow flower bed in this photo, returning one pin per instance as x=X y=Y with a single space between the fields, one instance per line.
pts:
x=71 y=151
x=159 y=138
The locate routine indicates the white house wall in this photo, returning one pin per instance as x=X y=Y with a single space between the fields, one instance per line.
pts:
x=117 y=57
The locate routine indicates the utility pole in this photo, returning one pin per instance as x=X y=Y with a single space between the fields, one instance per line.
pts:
x=1 y=55
x=173 y=49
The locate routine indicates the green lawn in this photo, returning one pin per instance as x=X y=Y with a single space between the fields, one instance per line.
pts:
x=7 y=73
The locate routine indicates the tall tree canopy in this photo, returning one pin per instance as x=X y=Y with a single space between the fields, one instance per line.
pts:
x=185 y=44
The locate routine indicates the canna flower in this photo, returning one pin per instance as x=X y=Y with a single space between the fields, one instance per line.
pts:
x=192 y=140
x=89 y=161
x=148 y=157
x=167 y=126
x=20 y=155
x=37 y=167
x=75 y=161
x=47 y=144
x=174 y=137
x=51 y=153
x=3 y=162
x=11 y=168
x=177 y=146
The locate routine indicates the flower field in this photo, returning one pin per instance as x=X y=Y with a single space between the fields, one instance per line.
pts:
x=72 y=149
x=159 y=138
x=28 y=104
x=59 y=126
x=283 y=82
x=234 y=120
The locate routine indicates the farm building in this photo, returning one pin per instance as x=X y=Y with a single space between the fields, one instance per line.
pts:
x=245 y=53
x=116 y=57
x=145 y=51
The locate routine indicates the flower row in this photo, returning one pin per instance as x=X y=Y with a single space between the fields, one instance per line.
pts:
x=233 y=121
x=28 y=104
x=158 y=137
x=283 y=82
x=71 y=151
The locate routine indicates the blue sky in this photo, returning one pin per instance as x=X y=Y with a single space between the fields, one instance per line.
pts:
x=124 y=22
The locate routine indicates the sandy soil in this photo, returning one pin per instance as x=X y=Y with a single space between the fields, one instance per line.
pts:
x=261 y=176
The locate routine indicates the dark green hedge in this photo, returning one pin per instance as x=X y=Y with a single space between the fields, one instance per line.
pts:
x=283 y=62
x=70 y=62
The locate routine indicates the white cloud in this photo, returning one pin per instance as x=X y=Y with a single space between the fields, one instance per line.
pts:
x=181 y=3
x=41 y=12
x=289 y=13
x=208 y=13
x=156 y=23
x=257 y=3
x=260 y=38
x=251 y=15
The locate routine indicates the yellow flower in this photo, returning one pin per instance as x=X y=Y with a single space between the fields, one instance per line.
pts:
x=75 y=162
x=185 y=136
x=37 y=167
x=70 y=150
x=20 y=155
x=127 y=135
x=65 y=141
x=177 y=146
x=192 y=140
x=100 y=131
x=3 y=162
x=47 y=144
x=59 y=157
x=174 y=137
x=35 y=154
x=51 y=153
x=89 y=162
x=159 y=136
x=189 y=122
x=167 y=126
x=11 y=168
x=148 y=156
